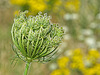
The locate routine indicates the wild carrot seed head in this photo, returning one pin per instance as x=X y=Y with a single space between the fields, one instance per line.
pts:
x=35 y=37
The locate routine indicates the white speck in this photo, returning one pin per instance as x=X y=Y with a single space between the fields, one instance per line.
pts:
x=65 y=28
x=90 y=41
x=93 y=25
x=87 y=32
x=98 y=44
x=87 y=63
x=69 y=16
x=63 y=45
x=53 y=66
x=98 y=16
x=74 y=16
x=68 y=53
x=81 y=37
x=67 y=37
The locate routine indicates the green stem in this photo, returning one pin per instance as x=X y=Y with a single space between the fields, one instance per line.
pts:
x=26 y=68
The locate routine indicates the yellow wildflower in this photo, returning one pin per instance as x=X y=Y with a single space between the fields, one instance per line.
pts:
x=77 y=52
x=95 y=70
x=90 y=71
x=65 y=72
x=77 y=59
x=84 y=64
x=37 y=5
x=77 y=63
x=18 y=2
x=56 y=72
x=60 y=72
x=79 y=66
x=62 y=62
x=94 y=53
x=57 y=5
x=72 y=5
x=97 y=67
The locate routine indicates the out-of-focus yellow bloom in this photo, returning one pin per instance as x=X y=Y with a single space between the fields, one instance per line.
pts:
x=37 y=5
x=32 y=5
x=95 y=70
x=77 y=63
x=62 y=62
x=79 y=66
x=57 y=6
x=90 y=71
x=77 y=55
x=94 y=53
x=18 y=2
x=72 y=5
x=65 y=72
x=77 y=59
x=61 y=72
x=56 y=72
x=85 y=64
x=77 y=52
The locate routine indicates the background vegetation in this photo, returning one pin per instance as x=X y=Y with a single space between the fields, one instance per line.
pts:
x=80 y=49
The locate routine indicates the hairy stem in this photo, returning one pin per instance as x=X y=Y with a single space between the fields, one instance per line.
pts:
x=26 y=68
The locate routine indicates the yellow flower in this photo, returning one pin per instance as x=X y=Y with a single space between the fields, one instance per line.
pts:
x=62 y=62
x=18 y=2
x=95 y=70
x=56 y=72
x=57 y=6
x=72 y=5
x=60 y=72
x=85 y=64
x=77 y=56
x=37 y=5
x=77 y=52
x=90 y=71
x=94 y=53
x=75 y=65
x=77 y=60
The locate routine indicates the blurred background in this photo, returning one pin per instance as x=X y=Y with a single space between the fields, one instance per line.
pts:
x=79 y=53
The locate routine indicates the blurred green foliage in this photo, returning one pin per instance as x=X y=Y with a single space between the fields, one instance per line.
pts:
x=80 y=20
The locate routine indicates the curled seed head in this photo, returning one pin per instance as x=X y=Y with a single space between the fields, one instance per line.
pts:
x=35 y=38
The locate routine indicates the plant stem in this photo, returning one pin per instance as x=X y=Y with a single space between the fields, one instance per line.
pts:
x=26 y=68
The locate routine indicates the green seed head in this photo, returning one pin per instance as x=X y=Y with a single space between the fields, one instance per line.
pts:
x=35 y=37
